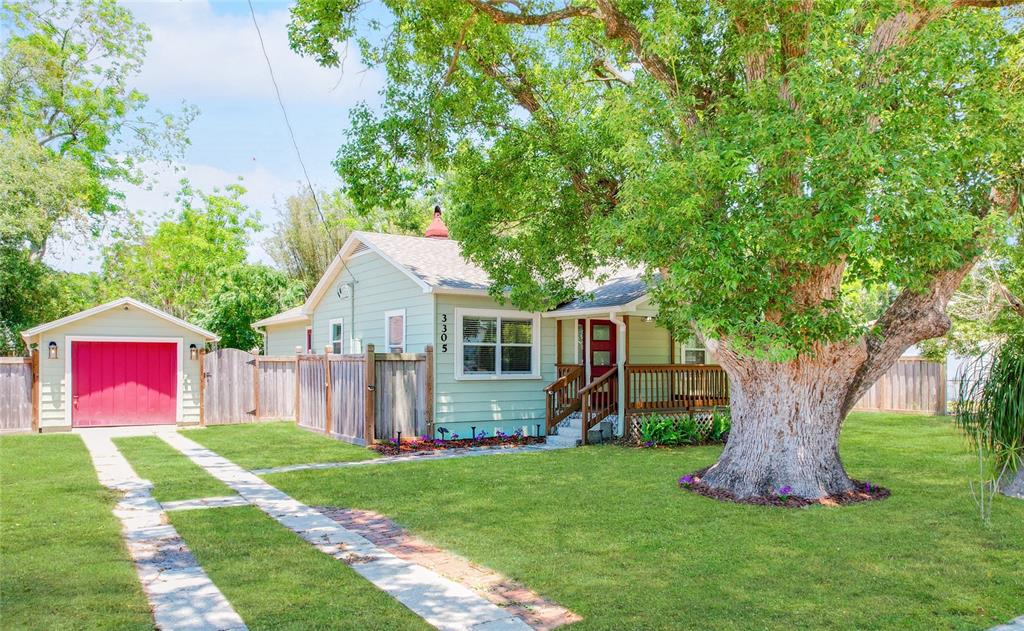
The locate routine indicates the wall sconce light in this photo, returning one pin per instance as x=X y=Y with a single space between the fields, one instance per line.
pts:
x=648 y=319
x=193 y=352
x=51 y=350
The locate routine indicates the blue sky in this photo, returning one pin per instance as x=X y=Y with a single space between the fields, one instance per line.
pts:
x=207 y=54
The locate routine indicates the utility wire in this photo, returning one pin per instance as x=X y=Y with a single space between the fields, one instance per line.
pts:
x=291 y=132
x=298 y=154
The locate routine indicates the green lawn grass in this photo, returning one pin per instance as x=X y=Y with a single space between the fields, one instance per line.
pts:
x=607 y=532
x=173 y=475
x=275 y=580
x=62 y=562
x=262 y=445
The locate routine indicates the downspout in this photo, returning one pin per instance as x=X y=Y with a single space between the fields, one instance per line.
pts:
x=620 y=366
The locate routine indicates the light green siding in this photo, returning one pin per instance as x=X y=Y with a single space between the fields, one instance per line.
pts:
x=492 y=404
x=379 y=287
x=283 y=338
x=569 y=334
x=115 y=323
x=648 y=342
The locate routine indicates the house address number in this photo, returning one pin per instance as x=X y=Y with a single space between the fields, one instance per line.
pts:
x=444 y=332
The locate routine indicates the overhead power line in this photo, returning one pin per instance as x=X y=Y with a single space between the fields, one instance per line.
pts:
x=291 y=132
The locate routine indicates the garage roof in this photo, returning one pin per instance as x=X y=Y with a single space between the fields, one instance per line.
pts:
x=120 y=302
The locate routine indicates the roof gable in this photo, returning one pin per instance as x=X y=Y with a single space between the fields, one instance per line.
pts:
x=114 y=304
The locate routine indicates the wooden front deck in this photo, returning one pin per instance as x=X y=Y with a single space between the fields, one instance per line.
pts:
x=669 y=389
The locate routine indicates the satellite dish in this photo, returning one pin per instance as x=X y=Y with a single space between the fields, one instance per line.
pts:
x=344 y=291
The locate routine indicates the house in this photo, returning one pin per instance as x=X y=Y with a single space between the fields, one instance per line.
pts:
x=591 y=362
x=120 y=363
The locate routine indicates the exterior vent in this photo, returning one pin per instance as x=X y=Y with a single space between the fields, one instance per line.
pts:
x=360 y=248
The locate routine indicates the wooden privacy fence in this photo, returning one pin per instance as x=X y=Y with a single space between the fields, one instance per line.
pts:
x=911 y=385
x=241 y=387
x=18 y=383
x=362 y=398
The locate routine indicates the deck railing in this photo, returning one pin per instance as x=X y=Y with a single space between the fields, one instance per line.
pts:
x=599 y=399
x=674 y=387
x=562 y=397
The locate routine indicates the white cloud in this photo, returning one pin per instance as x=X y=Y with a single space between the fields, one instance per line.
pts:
x=264 y=191
x=198 y=54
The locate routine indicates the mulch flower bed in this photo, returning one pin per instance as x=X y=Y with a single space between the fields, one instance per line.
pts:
x=426 y=443
x=782 y=497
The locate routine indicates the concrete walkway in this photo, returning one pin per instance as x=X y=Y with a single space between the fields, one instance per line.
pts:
x=1017 y=624
x=441 y=454
x=443 y=603
x=181 y=595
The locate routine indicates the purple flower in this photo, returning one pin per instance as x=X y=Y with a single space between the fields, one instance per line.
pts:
x=867 y=487
x=786 y=490
x=438 y=441
x=455 y=436
x=649 y=443
x=686 y=480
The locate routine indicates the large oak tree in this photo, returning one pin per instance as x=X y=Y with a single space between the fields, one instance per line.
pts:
x=758 y=158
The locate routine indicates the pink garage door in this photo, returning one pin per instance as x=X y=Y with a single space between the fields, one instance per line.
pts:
x=123 y=383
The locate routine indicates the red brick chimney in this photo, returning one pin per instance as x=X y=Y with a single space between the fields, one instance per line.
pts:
x=437 y=229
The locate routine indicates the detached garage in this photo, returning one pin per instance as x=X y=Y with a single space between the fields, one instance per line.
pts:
x=121 y=363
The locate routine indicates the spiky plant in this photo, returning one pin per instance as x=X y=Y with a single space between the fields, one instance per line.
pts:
x=991 y=406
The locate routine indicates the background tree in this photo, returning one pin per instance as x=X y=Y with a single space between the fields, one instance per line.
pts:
x=756 y=156
x=304 y=243
x=72 y=125
x=242 y=295
x=71 y=130
x=988 y=308
x=31 y=293
x=178 y=266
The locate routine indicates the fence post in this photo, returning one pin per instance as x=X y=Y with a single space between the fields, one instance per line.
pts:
x=256 y=383
x=298 y=374
x=327 y=390
x=202 y=387
x=428 y=412
x=370 y=398
x=35 y=389
x=942 y=388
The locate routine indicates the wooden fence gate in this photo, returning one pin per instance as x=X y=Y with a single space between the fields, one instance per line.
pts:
x=911 y=385
x=228 y=387
x=241 y=387
x=17 y=393
x=355 y=396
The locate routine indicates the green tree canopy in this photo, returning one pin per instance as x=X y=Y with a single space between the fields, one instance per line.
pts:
x=71 y=124
x=242 y=295
x=309 y=234
x=177 y=267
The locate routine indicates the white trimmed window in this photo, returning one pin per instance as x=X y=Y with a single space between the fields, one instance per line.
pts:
x=335 y=334
x=494 y=344
x=692 y=351
x=394 y=331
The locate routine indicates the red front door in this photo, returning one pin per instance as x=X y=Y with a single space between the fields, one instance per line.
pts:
x=123 y=383
x=602 y=347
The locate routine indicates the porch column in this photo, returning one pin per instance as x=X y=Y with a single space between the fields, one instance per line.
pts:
x=622 y=349
x=586 y=350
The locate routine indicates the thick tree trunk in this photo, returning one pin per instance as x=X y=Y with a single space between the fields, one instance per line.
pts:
x=786 y=419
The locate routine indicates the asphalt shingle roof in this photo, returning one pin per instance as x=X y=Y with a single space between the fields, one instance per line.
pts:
x=437 y=262
x=616 y=289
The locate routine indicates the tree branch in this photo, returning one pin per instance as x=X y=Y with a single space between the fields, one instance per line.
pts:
x=492 y=10
x=618 y=26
